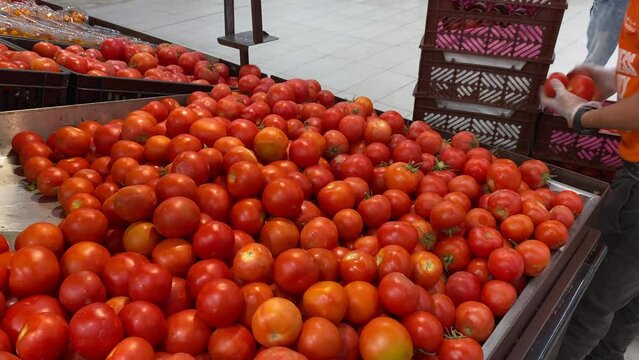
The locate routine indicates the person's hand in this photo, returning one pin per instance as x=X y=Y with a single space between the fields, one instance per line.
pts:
x=605 y=79
x=564 y=103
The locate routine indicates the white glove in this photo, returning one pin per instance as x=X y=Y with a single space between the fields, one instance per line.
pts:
x=605 y=79
x=564 y=103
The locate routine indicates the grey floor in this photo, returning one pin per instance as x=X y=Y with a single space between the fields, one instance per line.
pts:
x=353 y=47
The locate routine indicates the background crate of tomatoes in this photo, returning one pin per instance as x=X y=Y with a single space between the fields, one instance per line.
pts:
x=87 y=88
x=555 y=141
x=514 y=86
x=525 y=30
x=509 y=130
x=26 y=89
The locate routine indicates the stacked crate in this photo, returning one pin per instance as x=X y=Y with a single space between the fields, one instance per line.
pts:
x=482 y=65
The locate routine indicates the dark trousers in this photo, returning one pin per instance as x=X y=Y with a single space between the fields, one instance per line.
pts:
x=606 y=320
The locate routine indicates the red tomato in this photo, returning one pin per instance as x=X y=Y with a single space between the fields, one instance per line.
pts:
x=295 y=271
x=219 y=303
x=582 y=86
x=499 y=296
x=506 y=264
x=145 y=320
x=235 y=342
x=398 y=294
x=204 y=271
x=563 y=214
x=34 y=270
x=319 y=232
x=552 y=233
x=132 y=348
x=319 y=339
x=504 y=203
x=80 y=289
x=276 y=322
x=358 y=265
x=326 y=299
x=482 y=240
x=460 y=348
x=463 y=286
x=448 y=217
x=479 y=217
x=503 y=175
x=425 y=330
x=117 y=272
x=214 y=240
x=534 y=173
x=548 y=90
x=186 y=333
x=176 y=217
x=150 y=282
x=385 y=338
x=536 y=256
x=94 y=330
x=375 y=210
x=517 y=227
x=454 y=253
x=44 y=336
x=569 y=199
x=474 y=320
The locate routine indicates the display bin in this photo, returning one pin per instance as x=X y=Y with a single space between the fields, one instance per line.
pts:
x=497 y=127
x=517 y=29
x=555 y=141
x=455 y=77
x=27 y=89
x=86 y=88
x=23 y=207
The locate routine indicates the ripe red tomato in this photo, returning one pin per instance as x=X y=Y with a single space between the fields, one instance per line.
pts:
x=448 y=217
x=534 y=173
x=132 y=347
x=145 y=320
x=234 y=342
x=326 y=299
x=117 y=272
x=319 y=339
x=504 y=203
x=563 y=214
x=94 y=330
x=460 y=348
x=517 y=227
x=482 y=240
x=463 y=286
x=44 y=336
x=454 y=253
x=398 y=233
x=176 y=217
x=219 y=303
x=506 y=264
x=80 y=289
x=85 y=224
x=358 y=265
x=548 y=90
x=499 y=296
x=43 y=234
x=582 y=86
x=34 y=270
x=552 y=233
x=186 y=333
x=375 y=210
x=503 y=175
x=214 y=240
x=474 y=320
x=150 y=282
x=385 y=338
x=276 y=322
x=570 y=199
x=398 y=294
x=295 y=271
x=319 y=232
x=253 y=263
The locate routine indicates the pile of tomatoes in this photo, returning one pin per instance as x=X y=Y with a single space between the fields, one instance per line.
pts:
x=271 y=223
x=118 y=57
x=25 y=60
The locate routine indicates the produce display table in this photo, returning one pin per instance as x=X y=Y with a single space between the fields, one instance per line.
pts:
x=534 y=322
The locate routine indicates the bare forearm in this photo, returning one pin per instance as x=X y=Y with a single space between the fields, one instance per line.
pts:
x=623 y=115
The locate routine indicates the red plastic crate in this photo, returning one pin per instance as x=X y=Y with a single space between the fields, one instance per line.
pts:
x=513 y=131
x=555 y=141
x=445 y=76
x=528 y=35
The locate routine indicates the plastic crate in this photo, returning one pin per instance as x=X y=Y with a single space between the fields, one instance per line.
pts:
x=555 y=141
x=445 y=76
x=87 y=89
x=514 y=131
x=27 y=89
x=528 y=35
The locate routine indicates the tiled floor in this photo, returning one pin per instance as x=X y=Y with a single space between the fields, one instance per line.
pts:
x=367 y=47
